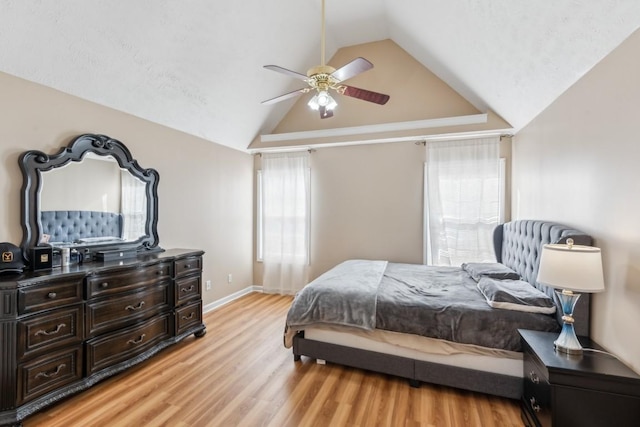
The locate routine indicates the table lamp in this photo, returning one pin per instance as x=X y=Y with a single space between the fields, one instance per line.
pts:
x=570 y=268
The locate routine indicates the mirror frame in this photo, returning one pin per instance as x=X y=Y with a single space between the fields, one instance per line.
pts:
x=33 y=163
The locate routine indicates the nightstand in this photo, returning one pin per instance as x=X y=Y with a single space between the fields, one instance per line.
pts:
x=593 y=389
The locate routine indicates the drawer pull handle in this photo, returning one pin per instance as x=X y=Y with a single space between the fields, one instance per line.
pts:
x=52 y=374
x=133 y=308
x=137 y=341
x=187 y=266
x=534 y=377
x=189 y=289
x=104 y=285
x=189 y=317
x=52 y=295
x=55 y=331
x=534 y=405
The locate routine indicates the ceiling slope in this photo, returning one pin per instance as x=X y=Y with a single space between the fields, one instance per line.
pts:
x=197 y=66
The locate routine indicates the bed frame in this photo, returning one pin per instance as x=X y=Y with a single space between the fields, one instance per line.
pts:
x=518 y=245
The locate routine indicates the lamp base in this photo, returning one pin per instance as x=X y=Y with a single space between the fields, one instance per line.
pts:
x=567 y=341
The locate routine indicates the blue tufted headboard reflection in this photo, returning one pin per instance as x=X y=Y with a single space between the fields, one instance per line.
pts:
x=72 y=226
x=518 y=245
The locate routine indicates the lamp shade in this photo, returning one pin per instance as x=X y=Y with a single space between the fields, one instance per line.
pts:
x=571 y=267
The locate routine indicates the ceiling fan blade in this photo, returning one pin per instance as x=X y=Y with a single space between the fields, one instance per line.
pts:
x=363 y=94
x=325 y=113
x=286 y=96
x=352 y=69
x=289 y=73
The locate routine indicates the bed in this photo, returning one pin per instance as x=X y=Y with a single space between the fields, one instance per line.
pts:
x=444 y=325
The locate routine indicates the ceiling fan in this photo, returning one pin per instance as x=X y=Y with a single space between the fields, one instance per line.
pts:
x=322 y=78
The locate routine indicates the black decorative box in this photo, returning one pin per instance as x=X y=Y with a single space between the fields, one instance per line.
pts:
x=41 y=258
x=116 y=254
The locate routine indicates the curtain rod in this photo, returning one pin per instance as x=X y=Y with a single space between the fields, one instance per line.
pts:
x=309 y=150
x=461 y=137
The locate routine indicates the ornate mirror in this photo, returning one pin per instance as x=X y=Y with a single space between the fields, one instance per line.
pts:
x=92 y=194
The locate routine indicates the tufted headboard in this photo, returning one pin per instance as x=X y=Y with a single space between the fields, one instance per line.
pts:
x=71 y=226
x=518 y=245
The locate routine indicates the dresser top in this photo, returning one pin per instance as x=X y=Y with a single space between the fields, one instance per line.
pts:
x=11 y=281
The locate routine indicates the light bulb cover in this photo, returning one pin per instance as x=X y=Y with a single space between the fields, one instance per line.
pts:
x=322 y=99
x=332 y=104
x=313 y=103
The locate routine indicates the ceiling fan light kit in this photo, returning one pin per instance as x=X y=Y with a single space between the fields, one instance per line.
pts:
x=324 y=103
x=323 y=78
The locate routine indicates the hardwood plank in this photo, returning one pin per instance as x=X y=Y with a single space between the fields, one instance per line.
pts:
x=240 y=374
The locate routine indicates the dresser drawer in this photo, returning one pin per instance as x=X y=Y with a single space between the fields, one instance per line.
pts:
x=51 y=294
x=120 y=346
x=187 y=288
x=186 y=266
x=44 y=332
x=536 y=390
x=109 y=283
x=187 y=317
x=110 y=313
x=50 y=372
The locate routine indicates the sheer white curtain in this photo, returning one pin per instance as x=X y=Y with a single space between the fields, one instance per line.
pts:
x=285 y=210
x=133 y=205
x=464 y=188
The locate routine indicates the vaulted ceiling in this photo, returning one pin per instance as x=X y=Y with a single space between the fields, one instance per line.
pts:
x=196 y=65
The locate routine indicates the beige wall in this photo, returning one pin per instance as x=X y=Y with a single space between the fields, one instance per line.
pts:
x=411 y=87
x=366 y=203
x=579 y=163
x=205 y=189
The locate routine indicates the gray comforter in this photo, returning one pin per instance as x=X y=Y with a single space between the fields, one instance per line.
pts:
x=346 y=295
x=437 y=302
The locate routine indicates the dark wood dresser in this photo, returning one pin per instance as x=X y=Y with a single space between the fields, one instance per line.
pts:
x=65 y=329
x=594 y=389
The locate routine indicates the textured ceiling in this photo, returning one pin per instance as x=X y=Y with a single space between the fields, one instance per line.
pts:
x=196 y=65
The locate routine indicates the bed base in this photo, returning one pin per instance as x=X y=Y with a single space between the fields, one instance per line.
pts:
x=416 y=371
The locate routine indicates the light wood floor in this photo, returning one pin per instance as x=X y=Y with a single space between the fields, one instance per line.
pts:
x=239 y=374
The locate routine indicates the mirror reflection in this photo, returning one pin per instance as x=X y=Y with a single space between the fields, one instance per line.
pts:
x=91 y=201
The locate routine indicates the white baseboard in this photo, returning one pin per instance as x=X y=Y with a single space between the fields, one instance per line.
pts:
x=234 y=296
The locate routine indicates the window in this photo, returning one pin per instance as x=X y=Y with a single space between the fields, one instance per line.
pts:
x=259 y=218
x=464 y=200
x=283 y=189
x=133 y=203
